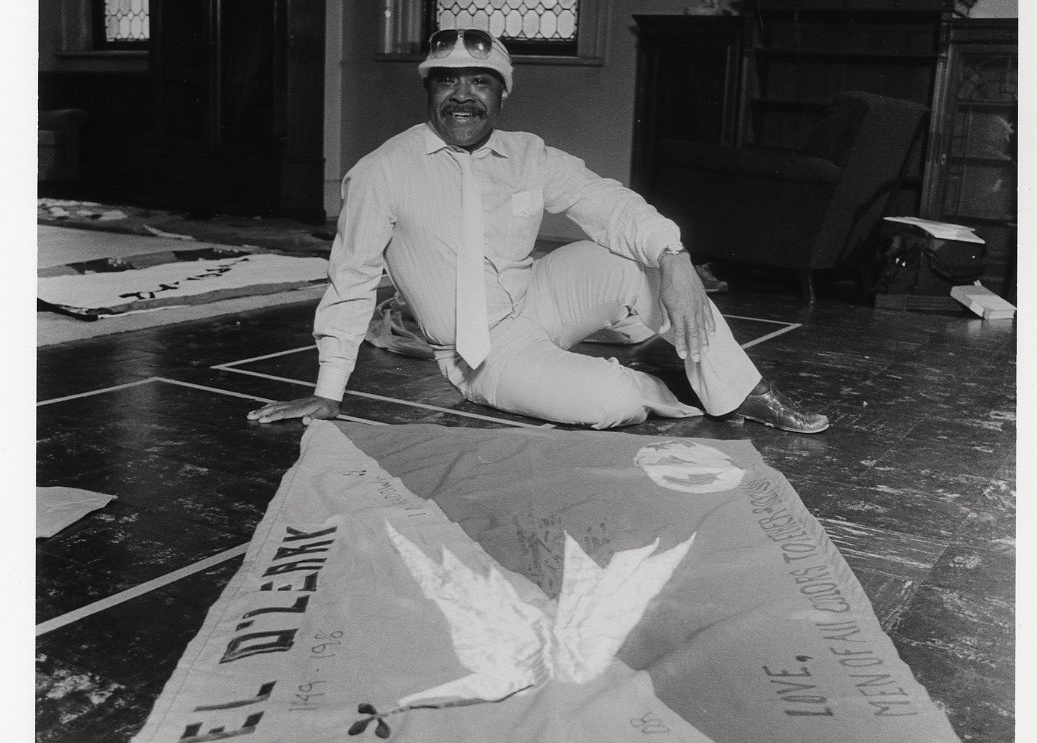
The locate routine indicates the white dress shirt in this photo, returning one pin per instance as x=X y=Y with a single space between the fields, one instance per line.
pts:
x=401 y=210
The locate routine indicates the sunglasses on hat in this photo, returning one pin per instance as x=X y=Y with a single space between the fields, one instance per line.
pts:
x=478 y=43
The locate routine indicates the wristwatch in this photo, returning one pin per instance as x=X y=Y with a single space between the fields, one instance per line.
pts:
x=673 y=249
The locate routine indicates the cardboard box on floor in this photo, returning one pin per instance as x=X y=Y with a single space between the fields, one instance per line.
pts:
x=984 y=302
x=925 y=260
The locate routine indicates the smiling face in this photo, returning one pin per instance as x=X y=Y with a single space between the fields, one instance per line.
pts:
x=464 y=104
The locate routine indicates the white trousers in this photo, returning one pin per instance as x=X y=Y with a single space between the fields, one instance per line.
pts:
x=575 y=291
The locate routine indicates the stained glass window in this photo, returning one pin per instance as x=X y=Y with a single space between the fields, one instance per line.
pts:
x=125 y=23
x=526 y=26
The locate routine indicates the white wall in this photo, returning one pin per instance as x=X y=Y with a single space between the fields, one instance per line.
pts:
x=333 y=39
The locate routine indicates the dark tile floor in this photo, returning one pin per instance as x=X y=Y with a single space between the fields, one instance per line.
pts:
x=915 y=482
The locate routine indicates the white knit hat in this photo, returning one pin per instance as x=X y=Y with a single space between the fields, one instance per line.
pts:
x=498 y=59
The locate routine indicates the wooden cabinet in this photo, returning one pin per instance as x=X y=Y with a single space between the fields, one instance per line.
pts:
x=972 y=174
x=237 y=102
x=806 y=51
x=782 y=61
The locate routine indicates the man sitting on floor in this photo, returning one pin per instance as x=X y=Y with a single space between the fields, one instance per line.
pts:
x=452 y=208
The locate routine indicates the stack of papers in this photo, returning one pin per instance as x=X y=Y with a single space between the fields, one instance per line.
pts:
x=941 y=230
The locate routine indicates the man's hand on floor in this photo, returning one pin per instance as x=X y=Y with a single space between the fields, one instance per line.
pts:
x=308 y=408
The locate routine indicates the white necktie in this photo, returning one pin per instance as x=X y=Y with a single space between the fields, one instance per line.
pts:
x=472 y=337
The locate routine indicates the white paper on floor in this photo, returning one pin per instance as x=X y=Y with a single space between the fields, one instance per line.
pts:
x=59 y=507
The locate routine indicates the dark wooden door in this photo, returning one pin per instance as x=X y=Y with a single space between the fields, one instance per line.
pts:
x=689 y=84
x=238 y=105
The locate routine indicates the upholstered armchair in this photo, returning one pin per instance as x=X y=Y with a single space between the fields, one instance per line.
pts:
x=816 y=206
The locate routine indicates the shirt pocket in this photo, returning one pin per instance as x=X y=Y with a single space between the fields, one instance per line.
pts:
x=528 y=203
